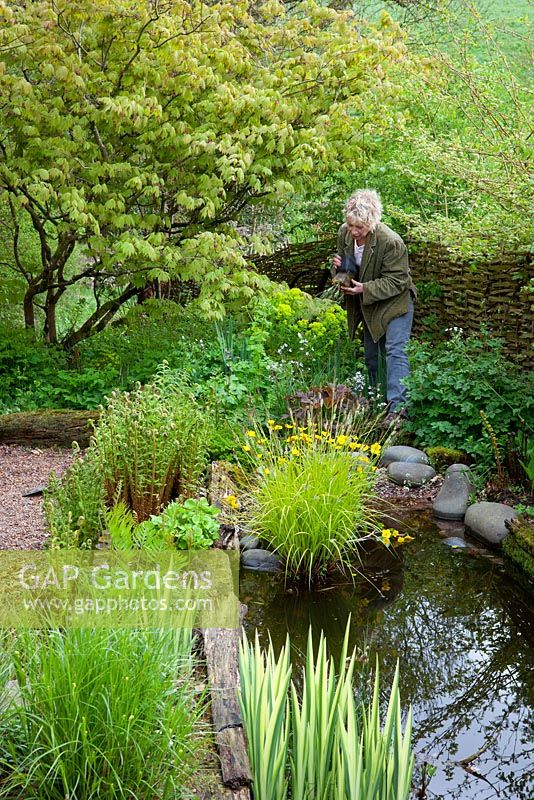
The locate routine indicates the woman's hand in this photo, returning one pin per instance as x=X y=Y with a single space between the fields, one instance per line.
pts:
x=336 y=262
x=355 y=288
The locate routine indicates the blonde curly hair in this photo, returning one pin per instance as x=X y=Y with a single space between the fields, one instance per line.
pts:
x=364 y=206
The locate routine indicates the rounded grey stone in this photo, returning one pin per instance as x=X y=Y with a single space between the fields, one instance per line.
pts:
x=408 y=455
x=486 y=521
x=455 y=542
x=260 y=560
x=453 y=498
x=410 y=474
x=249 y=542
x=458 y=468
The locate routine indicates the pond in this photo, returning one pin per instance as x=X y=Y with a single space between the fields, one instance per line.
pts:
x=463 y=631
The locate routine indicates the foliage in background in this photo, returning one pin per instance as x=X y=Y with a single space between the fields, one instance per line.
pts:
x=234 y=366
x=312 y=501
x=452 y=382
x=131 y=156
x=455 y=169
x=320 y=740
x=103 y=714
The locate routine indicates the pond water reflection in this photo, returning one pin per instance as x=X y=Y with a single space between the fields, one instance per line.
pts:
x=463 y=631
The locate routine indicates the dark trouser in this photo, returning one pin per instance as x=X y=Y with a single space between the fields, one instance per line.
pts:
x=391 y=351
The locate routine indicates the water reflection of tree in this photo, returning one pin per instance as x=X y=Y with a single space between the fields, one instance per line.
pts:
x=464 y=664
x=460 y=631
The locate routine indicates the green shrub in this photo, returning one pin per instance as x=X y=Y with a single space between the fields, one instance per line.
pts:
x=310 y=332
x=148 y=448
x=191 y=525
x=103 y=714
x=443 y=457
x=452 y=382
x=318 y=738
x=74 y=504
x=151 y=445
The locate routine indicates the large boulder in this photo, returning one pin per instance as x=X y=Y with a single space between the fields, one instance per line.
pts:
x=398 y=452
x=487 y=521
x=410 y=474
x=453 y=498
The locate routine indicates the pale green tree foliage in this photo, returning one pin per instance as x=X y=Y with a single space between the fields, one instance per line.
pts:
x=133 y=134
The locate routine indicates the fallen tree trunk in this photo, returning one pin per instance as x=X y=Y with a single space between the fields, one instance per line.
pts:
x=47 y=428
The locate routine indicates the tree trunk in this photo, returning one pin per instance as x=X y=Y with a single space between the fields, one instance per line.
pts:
x=29 y=310
x=50 y=328
x=47 y=428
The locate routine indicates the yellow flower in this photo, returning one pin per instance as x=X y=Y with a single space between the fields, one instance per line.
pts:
x=277 y=427
x=359 y=469
x=232 y=501
x=271 y=422
x=282 y=460
x=403 y=539
x=387 y=533
x=247 y=448
x=353 y=445
x=376 y=449
x=386 y=586
x=266 y=471
x=342 y=439
x=289 y=427
x=252 y=434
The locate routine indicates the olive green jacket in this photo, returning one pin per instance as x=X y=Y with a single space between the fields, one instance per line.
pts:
x=386 y=278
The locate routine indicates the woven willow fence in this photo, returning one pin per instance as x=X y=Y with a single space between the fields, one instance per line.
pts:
x=451 y=294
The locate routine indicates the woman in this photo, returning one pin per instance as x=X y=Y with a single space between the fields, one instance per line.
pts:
x=381 y=293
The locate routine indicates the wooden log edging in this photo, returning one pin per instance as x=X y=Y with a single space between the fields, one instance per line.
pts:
x=48 y=428
x=221 y=648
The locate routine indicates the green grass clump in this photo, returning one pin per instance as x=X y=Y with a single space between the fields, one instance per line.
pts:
x=312 y=505
x=102 y=714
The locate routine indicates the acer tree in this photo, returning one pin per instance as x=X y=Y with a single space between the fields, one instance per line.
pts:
x=134 y=134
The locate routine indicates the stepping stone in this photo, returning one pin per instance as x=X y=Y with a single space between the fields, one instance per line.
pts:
x=486 y=521
x=456 y=543
x=260 y=561
x=411 y=474
x=453 y=498
x=249 y=542
x=408 y=455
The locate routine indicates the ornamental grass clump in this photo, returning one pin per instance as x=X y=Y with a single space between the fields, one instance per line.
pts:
x=313 y=501
x=321 y=744
x=102 y=714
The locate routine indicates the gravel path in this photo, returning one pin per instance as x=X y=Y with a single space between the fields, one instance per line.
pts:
x=22 y=525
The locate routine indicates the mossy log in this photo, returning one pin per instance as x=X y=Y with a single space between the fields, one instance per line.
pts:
x=519 y=544
x=47 y=428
